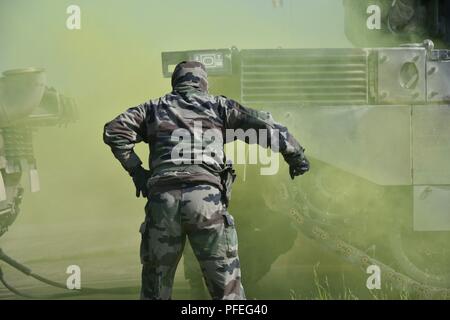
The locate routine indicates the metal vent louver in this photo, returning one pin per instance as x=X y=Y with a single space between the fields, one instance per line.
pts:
x=304 y=76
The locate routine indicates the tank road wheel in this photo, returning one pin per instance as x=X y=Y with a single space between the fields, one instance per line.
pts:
x=424 y=256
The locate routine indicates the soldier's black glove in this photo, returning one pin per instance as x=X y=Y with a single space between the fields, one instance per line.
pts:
x=298 y=164
x=140 y=177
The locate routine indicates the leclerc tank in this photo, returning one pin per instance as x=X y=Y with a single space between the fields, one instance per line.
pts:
x=375 y=121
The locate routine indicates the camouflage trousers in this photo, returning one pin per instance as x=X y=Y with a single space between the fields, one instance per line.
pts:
x=195 y=212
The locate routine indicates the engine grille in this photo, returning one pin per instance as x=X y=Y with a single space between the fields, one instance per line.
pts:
x=304 y=76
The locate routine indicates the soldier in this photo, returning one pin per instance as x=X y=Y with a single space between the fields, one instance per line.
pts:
x=190 y=198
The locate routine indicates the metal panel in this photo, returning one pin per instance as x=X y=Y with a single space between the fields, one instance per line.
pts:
x=373 y=142
x=432 y=208
x=438 y=81
x=431 y=145
x=401 y=76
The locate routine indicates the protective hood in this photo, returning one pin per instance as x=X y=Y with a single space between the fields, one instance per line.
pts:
x=189 y=75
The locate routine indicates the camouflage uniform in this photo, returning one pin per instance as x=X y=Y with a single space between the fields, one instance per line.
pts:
x=196 y=212
x=187 y=199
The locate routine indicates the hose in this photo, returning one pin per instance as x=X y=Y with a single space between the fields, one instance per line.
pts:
x=75 y=292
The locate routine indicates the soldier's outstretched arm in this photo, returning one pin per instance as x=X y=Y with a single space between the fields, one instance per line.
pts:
x=278 y=137
x=121 y=134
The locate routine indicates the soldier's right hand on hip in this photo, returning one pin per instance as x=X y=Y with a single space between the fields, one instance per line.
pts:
x=140 y=177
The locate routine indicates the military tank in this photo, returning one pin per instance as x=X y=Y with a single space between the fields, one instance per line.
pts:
x=375 y=121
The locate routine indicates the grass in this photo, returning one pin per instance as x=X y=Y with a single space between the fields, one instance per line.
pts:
x=323 y=291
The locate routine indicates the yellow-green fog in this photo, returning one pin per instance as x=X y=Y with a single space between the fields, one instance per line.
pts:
x=86 y=213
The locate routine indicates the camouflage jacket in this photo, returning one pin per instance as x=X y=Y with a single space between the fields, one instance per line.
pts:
x=189 y=110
